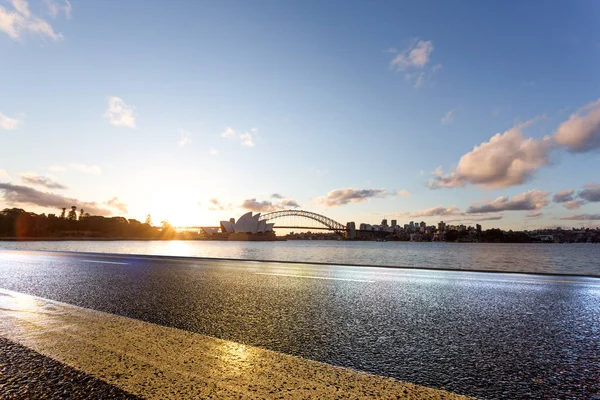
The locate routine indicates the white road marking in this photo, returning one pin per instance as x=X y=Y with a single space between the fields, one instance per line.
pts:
x=105 y=262
x=158 y=362
x=315 y=277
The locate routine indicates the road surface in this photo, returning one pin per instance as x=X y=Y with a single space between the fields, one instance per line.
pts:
x=486 y=335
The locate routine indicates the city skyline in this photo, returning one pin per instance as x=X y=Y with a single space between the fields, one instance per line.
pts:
x=427 y=112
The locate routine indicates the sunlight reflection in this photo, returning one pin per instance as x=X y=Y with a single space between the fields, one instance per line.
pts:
x=177 y=248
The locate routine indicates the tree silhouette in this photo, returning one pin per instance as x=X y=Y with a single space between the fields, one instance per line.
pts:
x=63 y=213
x=72 y=214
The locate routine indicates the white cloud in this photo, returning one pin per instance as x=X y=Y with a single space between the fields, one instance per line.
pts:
x=447 y=118
x=403 y=193
x=212 y=151
x=507 y=159
x=413 y=61
x=119 y=113
x=4 y=174
x=528 y=201
x=416 y=55
x=581 y=132
x=57 y=7
x=437 y=211
x=88 y=169
x=340 y=197
x=186 y=138
x=7 y=123
x=246 y=138
x=572 y=204
x=20 y=20
x=228 y=133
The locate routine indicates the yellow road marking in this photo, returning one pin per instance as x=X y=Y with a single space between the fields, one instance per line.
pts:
x=154 y=361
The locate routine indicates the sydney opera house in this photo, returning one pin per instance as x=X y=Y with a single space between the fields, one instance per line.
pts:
x=247 y=227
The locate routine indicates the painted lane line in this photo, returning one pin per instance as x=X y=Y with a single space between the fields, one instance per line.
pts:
x=158 y=362
x=315 y=277
x=105 y=262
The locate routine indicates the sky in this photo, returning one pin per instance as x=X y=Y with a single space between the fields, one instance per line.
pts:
x=198 y=111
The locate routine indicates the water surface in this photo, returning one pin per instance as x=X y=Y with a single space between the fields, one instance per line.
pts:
x=579 y=259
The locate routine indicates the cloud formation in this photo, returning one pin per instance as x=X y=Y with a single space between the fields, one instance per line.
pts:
x=20 y=20
x=480 y=219
x=212 y=151
x=340 y=197
x=581 y=132
x=7 y=123
x=185 y=138
x=507 y=159
x=119 y=114
x=573 y=204
x=18 y=195
x=58 y=7
x=416 y=55
x=42 y=181
x=447 y=118
x=88 y=169
x=591 y=193
x=4 y=174
x=510 y=159
x=117 y=205
x=533 y=214
x=582 y=217
x=276 y=196
x=564 y=196
x=245 y=138
x=268 y=206
x=437 y=211
x=289 y=203
x=528 y=201
x=413 y=61
x=215 y=205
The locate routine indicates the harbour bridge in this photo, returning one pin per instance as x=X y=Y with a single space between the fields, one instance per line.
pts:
x=293 y=219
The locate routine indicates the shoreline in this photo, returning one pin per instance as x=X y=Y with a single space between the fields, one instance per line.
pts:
x=278 y=239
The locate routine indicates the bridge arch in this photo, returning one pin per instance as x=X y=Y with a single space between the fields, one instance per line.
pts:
x=323 y=220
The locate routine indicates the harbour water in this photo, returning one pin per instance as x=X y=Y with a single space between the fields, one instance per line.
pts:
x=576 y=259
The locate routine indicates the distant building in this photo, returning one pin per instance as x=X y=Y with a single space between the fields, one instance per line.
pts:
x=351 y=230
x=247 y=223
x=384 y=222
x=394 y=223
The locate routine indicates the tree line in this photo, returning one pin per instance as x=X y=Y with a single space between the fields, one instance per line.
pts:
x=18 y=223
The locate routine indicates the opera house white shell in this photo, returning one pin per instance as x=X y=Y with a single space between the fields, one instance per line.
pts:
x=247 y=223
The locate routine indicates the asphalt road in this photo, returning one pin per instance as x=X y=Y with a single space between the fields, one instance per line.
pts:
x=480 y=334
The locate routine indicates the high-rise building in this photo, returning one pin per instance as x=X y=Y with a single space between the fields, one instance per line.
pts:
x=394 y=223
x=351 y=230
x=384 y=222
x=478 y=228
x=441 y=226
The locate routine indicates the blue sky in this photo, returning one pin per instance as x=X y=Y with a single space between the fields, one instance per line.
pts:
x=195 y=111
